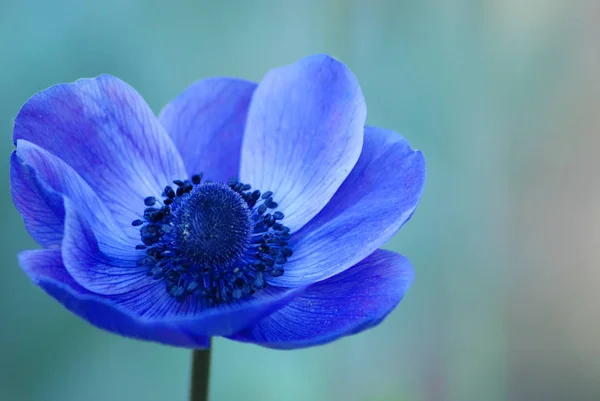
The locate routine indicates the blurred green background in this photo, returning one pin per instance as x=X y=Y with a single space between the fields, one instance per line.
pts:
x=503 y=98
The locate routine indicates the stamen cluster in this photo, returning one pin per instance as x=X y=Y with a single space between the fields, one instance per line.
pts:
x=212 y=240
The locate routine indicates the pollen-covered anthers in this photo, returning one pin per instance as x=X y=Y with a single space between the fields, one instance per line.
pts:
x=212 y=240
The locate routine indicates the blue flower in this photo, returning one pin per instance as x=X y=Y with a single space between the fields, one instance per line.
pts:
x=249 y=211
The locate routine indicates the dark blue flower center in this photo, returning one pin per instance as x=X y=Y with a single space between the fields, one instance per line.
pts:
x=212 y=240
x=213 y=226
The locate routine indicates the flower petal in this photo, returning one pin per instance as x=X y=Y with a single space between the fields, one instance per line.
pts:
x=107 y=267
x=206 y=123
x=105 y=131
x=45 y=268
x=303 y=135
x=154 y=304
x=377 y=198
x=42 y=209
x=111 y=270
x=353 y=301
x=40 y=181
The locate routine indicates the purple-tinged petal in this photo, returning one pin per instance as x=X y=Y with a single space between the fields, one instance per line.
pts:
x=108 y=267
x=377 y=198
x=353 y=301
x=45 y=268
x=154 y=304
x=206 y=123
x=150 y=307
x=48 y=180
x=105 y=131
x=303 y=135
x=42 y=209
x=111 y=270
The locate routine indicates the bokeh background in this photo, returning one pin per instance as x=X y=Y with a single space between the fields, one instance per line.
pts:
x=502 y=96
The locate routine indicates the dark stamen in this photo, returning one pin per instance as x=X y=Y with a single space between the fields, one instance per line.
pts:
x=212 y=241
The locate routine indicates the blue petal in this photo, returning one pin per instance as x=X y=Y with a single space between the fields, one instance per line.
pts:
x=40 y=180
x=42 y=209
x=105 y=131
x=71 y=197
x=110 y=270
x=377 y=198
x=353 y=301
x=108 y=267
x=44 y=267
x=303 y=135
x=206 y=123
x=154 y=304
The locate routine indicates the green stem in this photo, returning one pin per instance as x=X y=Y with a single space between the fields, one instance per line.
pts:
x=200 y=374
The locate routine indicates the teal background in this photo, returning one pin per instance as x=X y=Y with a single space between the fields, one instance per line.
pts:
x=502 y=97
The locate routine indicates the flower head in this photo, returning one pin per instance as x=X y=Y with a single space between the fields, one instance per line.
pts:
x=250 y=211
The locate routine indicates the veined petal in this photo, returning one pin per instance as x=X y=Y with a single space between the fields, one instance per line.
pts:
x=206 y=123
x=40 y=180
x=353 y=301
x=108 y=267
x=154 y=304
x=45 y=268
x=303 y=135
x=378 y=197
x=110 y=270
x=106 y=132
x=150 y=306
x=42 y=209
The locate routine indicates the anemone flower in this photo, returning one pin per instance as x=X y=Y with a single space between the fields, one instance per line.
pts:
x=249 y=211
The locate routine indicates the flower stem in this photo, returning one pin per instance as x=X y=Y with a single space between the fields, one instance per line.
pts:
x=200 y=374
